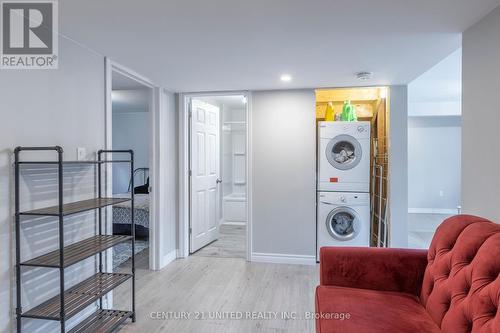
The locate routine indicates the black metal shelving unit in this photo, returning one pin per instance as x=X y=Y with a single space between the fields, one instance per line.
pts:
x=71 y=301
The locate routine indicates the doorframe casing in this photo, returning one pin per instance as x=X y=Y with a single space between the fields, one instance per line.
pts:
x=155 y=240
x=184 y=158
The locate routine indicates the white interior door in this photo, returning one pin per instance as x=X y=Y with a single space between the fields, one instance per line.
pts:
x=205 y=171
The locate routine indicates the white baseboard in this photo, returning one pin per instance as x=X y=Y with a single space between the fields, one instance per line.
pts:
x=168 y=258
x=448 y=211
x=277 y=258
x=234 y=223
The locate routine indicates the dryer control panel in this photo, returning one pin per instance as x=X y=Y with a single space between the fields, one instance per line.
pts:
x=344 y=198
x=357 y=129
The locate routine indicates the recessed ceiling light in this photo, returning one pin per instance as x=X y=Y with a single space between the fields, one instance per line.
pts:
x=364 y=75
x=286 y=78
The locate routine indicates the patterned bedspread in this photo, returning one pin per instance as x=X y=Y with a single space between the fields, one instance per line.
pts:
x=121 y=212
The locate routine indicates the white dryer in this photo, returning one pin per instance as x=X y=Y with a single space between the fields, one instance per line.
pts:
x=343 y=219
x=344 y=156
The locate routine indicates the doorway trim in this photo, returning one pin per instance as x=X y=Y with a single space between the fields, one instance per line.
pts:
x=184 y=152
x=155 y=241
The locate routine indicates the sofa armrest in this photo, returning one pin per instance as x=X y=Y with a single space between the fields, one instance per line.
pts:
x=382 y=269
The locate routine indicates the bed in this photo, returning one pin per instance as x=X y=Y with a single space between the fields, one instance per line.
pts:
x=121 y=216
x=122 y=211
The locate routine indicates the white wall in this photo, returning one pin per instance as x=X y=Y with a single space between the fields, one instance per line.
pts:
x=398 y=166
x=434 y=150
x=438 y=91
x=168 y=184
x=47 y=107
x=284 y=174
x=131 y=130
x=481 y=117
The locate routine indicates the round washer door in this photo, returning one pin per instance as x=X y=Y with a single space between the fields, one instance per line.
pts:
x=344 y=152
x=343 y=223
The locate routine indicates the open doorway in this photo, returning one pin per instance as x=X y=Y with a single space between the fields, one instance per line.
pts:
x=130 y=124
x=217 y=206
x=434 y=149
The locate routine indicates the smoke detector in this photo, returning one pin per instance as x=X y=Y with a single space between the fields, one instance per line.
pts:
x=364 y=75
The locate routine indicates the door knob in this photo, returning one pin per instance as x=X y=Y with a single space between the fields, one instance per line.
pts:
x=219 y=180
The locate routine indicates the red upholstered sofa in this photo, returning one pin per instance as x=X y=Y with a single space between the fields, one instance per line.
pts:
x=454 y=287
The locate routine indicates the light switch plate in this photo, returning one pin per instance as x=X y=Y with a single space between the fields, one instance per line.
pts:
x=81 y=153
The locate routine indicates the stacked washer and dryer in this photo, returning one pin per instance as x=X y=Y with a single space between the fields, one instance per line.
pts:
x=343 y=217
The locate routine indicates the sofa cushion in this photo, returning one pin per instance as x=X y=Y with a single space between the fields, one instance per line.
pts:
x=461 y=287
x=370 y=311
x=399 y=270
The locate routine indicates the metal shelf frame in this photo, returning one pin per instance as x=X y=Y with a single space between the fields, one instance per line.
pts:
x=73 y=300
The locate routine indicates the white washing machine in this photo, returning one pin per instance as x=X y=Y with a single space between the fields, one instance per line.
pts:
x=344 y=156
x=343 y=219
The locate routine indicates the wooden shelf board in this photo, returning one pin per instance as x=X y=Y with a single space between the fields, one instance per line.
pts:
x=102 y=321
x=77 y=251
x=78 y=297
x=76 y=207
x=75 y=162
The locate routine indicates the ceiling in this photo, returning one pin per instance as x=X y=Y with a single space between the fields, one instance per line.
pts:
x=441 y=83
x=438 y=92
x=200 y=45
x=229 y=102
x=121 y=82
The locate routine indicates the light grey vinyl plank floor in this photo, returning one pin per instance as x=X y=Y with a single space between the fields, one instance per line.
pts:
x=212 y=285
x=421 y=229
x=230 y=244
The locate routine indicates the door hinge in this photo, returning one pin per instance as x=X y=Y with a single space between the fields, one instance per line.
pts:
x=190 y=114
x=190 y=230
x=190 y=173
